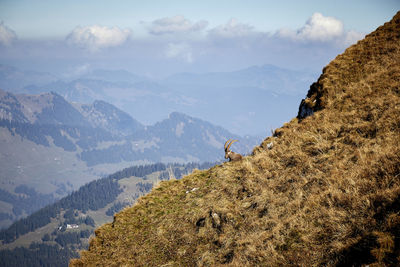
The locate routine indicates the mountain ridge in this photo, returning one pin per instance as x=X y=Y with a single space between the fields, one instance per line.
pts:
x=14 y=78
x=207 y=95
x=104 y=115
x=266 y=77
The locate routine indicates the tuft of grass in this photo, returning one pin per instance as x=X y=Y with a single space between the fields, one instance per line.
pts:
x=326 y=193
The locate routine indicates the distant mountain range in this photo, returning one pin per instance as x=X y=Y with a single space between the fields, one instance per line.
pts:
x=57 y=134
x=247 y=101
x=14 y=79
x=52 y=146
x=267 y=77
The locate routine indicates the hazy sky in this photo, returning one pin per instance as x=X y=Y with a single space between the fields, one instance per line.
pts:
x=157 y=38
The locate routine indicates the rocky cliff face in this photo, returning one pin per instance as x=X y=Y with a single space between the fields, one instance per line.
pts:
x=324 y=190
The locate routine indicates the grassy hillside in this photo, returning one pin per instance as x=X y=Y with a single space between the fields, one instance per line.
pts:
x=326 y=193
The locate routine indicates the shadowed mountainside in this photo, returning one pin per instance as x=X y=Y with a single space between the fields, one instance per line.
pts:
x=326 y=193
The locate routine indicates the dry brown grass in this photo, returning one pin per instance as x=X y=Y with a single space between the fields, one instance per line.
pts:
x=327 y=193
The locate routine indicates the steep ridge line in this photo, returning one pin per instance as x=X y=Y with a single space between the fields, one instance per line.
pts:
x=326 y=193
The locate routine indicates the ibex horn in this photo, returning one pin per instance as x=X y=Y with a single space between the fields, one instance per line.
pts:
x=233 y=141
x=226 y=143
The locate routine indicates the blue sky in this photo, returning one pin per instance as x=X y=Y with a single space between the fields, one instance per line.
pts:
x=55 y=18
x=158 y=38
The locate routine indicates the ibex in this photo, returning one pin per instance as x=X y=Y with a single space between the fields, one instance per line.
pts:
x=232 y=156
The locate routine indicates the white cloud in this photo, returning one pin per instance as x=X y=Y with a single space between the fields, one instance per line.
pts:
x=7 y=36
x=317 y=28
x=232 y=29
x=176 y=24
x=97 y=37
x=322 y=29
x=179 y=50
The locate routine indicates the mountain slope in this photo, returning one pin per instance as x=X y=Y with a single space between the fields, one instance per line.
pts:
x=106 y=116
x=46 y=108
x=324 y=190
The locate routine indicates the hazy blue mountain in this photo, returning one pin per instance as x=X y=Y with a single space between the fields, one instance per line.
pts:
x=182 y=131
x=113 y=76
x=180 y=138
x=134 y=98
x=13 y=79
x=11 y=108
x=247 y=101
x=52 y=146
x=243 y=110
x=106 y=116
x=267 y=77
x=81 y=90
x=58 y=111
x=46 y=108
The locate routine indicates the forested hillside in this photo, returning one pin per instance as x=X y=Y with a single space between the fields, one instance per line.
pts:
x=54 y=234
